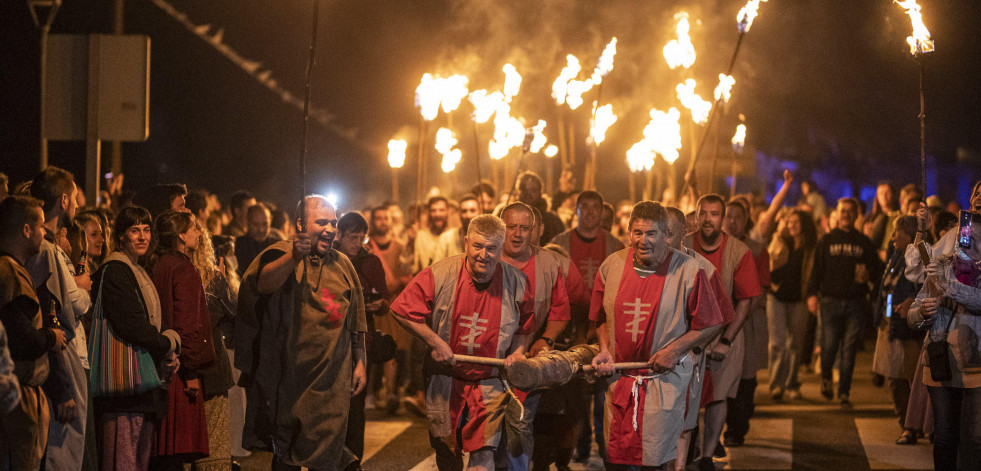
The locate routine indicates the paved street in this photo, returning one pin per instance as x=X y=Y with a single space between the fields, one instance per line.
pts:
x=805 y=434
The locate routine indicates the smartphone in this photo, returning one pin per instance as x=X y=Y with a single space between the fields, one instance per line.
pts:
x=964 y=234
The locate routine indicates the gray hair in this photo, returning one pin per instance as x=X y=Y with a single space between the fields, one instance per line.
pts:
x=487 y=225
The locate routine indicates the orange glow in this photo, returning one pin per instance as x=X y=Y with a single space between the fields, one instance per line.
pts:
x=739 y=140
x=920 y=42
x=512 y=81
x=663 y=133
x=428 y=96
x=680 y=52
x=747 y=14
x=396 y=153
x=445 y=141
x=603 y=119
x=561 y=85
x=605 y=63
x=689 y=99
x=724 y=90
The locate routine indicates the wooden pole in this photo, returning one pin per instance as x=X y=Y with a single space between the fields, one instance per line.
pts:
x=421 y=169
x=476 y=151
x=563 y=149
x=633 y=186
x=395 y=185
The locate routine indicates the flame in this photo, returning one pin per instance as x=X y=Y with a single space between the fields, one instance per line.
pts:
x=454 y=90
x=680 y=52
x=508 y=132
x=920 y=42
x=739 y=139
x=575 y=90
x=561 y=84
x=484 y=104
x=689 y=99
x=640 y=157
x=747 y=14
x=724 y=90
x=605 y=63
x=539 y=141
x=512 y=81
x=551 y=151
x=396 y=153
x=663 y=133
x=602 y=120
x=428 y=96
x=445 y=140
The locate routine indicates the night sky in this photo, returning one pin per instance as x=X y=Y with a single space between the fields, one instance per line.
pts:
x=829 y=85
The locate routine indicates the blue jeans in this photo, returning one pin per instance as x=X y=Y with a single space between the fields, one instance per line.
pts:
x=841 y=328
x=956 y=417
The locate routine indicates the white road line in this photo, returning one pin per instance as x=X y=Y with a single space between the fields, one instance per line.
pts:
x=784 y=408
x=769 y=445
x=428 y=464
x=879 y=440
x=378 y=434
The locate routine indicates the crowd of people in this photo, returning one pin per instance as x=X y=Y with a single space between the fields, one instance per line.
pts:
x=160 y=329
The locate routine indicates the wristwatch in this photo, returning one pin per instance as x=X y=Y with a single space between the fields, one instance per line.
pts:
x=725 y=341
x=549 y=342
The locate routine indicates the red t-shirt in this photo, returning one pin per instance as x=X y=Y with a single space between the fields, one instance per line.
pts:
x=476 y=321
x=745 y=280
x=575 y=287
x=560 y=297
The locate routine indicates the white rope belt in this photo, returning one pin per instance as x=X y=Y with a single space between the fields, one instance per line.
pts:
x=635 y=392
x=507 y=387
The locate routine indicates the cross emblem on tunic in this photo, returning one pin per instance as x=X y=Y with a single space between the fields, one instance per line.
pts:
x=588 y=267
x=639 y=315
x=475 y=327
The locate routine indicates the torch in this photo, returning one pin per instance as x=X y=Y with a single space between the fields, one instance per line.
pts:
x=396 y=158
x=603 y=118
x=640 y=157
x=663 y=134
x=920 y=43
x=428 y=96
x=677 y=53
x=700 y=110
x=560 y=92
x=744 y=21
x=484 y=106
x=723 y=92
x=445 y=143
x=550 y=153
x=311 y=60
x=738 y=141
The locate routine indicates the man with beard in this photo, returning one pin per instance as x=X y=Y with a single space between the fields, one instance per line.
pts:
x=451 y=242
x=24 y=430
x=301 y=305
x=389 y=251
x=676 y=237
x=545 y=280
x=530 y=193
x=844 y=263
x=651 y=304
x=485 y=194
x=420 y=251
x=588 y=245
x=756 y=336
x=53 y=274
x=474 y=305
x=732 y=258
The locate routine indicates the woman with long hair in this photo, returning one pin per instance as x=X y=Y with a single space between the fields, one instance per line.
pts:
x=94 y=228
x=125 y=424
x=217 y=378
x=183 y=434
x=791 y=259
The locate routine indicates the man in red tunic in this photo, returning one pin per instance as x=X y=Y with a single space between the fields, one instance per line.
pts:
x=468 y=304
x=545 y=280
x=651 y=304
x=588 y=245
x=734 y=262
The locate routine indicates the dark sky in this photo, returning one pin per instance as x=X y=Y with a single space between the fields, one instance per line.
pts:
x=827 y=84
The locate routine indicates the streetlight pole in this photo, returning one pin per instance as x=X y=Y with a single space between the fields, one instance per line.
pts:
x=35 y=6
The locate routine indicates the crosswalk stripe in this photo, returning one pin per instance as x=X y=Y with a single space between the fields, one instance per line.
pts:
x=878 y=438
x=769 y=445
x=378 y=434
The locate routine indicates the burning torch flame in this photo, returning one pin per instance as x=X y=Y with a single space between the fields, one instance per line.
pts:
x=484 y=104
x=640 y=157
x=680 y=52
x=396 y=153
x=551 y=151
x=539 y=141
x=689 y=99
x=575 y=90
x=724 y=90
x=919 y=42
x=444 y=145
x=605 y=63
x=603 y=119
x=428 y=96
x=561 y=85
x=747 y=15
x=663 y=133
x=454 y=90
x=739 y=139
x=509 y=132
x=512 y=82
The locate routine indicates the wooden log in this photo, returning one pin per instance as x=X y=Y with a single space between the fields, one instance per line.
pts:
x=550 y=368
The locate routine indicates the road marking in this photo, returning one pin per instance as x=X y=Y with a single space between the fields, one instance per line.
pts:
x=786 y=409
x=378 y=434
x=769 y=445
x=879 y=440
